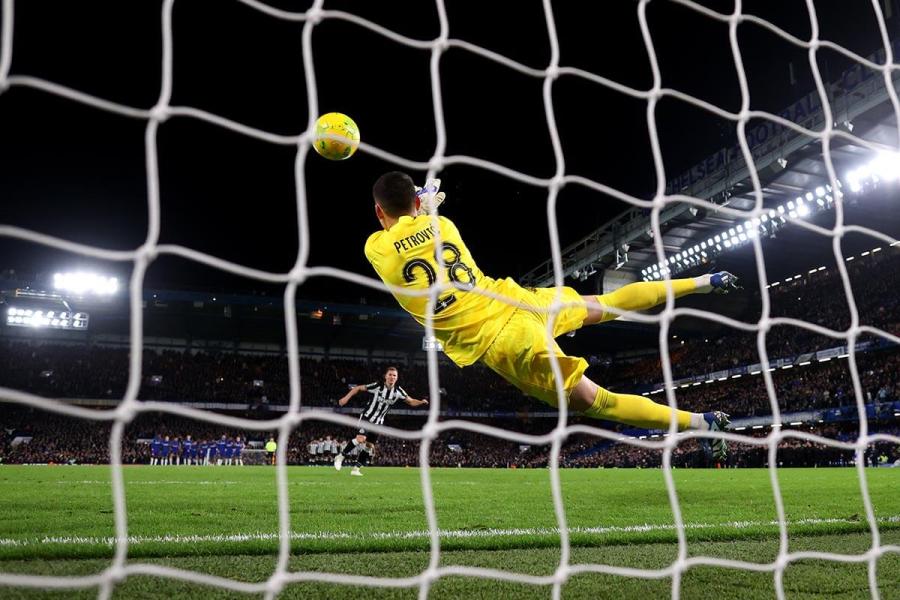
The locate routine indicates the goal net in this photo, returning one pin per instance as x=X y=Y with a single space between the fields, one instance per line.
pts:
x=141 y=258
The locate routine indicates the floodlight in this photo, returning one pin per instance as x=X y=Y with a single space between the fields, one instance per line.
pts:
x=19 y=317
x=81 y=284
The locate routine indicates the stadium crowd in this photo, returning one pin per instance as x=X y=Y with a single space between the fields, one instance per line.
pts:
x=102 y=372
x=230 y=379
x=817 y=298
x=58 y=439
x=258 y=380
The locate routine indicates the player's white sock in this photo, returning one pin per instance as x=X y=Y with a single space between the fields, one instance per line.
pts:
x=704 y=285
x=698 y=422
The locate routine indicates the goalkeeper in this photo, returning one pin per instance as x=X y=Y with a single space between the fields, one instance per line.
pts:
x=511 y=339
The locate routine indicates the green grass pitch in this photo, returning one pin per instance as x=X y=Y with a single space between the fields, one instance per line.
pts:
x=223 y=521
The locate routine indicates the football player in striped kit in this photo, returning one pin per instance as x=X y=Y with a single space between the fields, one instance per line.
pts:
x=384 y=396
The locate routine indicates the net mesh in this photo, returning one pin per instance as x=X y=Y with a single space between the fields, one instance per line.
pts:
x=142 y=257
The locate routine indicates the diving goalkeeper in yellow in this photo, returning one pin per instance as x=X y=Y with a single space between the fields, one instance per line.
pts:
x=511 y=338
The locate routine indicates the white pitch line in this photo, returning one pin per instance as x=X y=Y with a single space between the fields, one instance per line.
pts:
x=142 y=482
x=408 y=535
x=212 y=482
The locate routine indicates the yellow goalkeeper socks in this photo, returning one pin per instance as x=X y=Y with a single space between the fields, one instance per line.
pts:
x=647 y=294
x=640 y=412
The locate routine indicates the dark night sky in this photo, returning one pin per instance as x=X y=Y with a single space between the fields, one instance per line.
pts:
x=76 y=172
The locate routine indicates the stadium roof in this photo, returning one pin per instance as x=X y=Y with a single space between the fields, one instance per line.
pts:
x=789 y=164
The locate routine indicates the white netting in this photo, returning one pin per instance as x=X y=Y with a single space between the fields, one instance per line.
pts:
x=146 y=253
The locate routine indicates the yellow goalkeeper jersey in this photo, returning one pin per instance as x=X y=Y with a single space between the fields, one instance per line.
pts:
x=465 y=321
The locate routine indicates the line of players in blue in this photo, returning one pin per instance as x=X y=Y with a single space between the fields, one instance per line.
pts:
x=174 y=451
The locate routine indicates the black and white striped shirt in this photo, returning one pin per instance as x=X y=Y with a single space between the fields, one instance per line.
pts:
x=383 y=398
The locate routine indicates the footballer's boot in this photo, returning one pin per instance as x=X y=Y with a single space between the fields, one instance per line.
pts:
x=723 y=282
x=717 y=448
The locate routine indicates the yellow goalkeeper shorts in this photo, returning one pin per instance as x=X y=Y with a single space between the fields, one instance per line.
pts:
x=521 y=351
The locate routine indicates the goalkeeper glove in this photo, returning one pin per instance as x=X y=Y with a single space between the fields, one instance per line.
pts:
x=429 y=197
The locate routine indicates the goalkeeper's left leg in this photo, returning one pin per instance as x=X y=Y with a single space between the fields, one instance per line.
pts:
x=594 y=401
x=638 y=411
